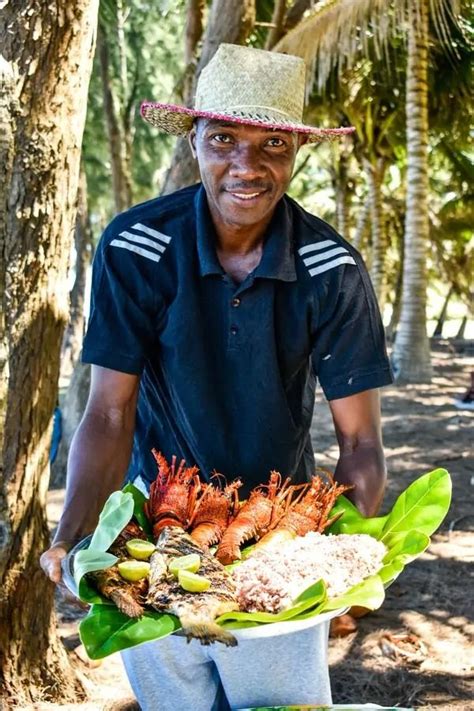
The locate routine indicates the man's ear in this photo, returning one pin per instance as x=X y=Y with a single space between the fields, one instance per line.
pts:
x=192 y=141
x=302 y=139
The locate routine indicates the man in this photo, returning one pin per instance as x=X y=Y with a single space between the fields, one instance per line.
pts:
x=214 y=310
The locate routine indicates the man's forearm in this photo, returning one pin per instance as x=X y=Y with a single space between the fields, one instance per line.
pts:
x=362 y=464
x=98 y=460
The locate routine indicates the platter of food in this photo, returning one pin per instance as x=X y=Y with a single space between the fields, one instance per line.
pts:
x=194 y=560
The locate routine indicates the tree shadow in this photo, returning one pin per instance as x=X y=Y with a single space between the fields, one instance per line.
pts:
x=431 y=596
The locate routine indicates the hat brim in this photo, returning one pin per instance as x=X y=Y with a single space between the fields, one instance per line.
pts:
x=178 y=121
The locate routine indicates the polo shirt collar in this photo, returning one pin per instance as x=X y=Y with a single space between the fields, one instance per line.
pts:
x=278 y=261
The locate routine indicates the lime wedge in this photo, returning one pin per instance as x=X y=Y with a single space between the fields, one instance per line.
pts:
x=139 y=549
x=133 y=570
x=191 y=562
x=192 y=582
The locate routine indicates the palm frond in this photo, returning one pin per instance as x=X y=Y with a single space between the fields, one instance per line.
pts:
x=337 y=31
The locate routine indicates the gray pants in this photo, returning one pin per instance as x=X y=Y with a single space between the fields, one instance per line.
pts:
x=172 y=675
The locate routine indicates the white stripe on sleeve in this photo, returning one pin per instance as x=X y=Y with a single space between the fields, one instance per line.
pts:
x=151 y=232
x=138 y=239
x=138 y=250
x=325 y=255
x=330 y=265
x=316 y=246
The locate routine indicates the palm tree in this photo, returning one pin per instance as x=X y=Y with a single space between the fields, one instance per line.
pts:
x=337 y=32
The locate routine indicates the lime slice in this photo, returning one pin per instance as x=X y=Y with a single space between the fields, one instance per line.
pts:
x=192 y=582
x=133 y=570
x=191 y=562
x=139 y=549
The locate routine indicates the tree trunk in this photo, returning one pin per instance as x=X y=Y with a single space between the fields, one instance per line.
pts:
x=278 y=19
x=362 y=226
x=462 y=329
x=72 y=410
x=229 y=21
x=391 y=329
x=192 y=35
x=411 y=354
x=438 y=332
x=119 y=146
x=341 y=192
x=375 y=173
x=51 y=46
x=83 y=243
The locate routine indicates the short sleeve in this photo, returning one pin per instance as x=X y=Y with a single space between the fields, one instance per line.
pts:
x=349 y=353
x=124 y=307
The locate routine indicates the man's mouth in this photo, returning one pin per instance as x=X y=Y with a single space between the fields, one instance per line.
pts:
x=245 y=196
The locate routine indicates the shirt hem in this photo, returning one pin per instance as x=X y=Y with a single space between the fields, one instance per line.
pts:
x=358 y=383
x=114 y=361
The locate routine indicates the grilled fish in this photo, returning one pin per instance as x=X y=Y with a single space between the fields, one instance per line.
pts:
x=129 y=597
x=196 y=611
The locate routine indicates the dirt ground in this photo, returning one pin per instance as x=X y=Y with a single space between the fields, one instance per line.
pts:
x=415 y=651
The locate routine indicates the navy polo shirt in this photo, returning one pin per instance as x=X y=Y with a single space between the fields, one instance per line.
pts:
x=228 y=371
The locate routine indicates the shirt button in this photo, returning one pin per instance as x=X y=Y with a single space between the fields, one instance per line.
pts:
x=235 y=302
x=234 y=330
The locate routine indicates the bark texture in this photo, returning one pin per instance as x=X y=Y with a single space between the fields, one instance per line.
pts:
x=83 y=245
x=411 y=354
x=362 y=226
x=51 y=47
x=119 y=142
x=228 y=21
x=375 y=173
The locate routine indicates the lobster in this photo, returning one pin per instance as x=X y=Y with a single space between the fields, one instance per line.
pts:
x=309 y=512
x=214 y=511
x=173 y=494
x=264 y=506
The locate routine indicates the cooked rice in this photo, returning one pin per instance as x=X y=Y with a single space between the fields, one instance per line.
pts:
x=274 y=576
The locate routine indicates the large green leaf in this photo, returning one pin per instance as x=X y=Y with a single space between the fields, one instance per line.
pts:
x=422 y=507
x=89 y=560
x=369 y=593
x=139 y=500
x=106 y=630
x=352 y=521
x=117 y=512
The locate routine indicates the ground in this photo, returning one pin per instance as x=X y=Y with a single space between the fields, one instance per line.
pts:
x=415 y=650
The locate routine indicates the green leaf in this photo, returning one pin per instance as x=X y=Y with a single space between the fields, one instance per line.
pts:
x=106 y=630
x=117 y=512
x=422 y=507
x=390 y=572
x=406 y=546
x=352 y=521
x=369 y=593
x=88 y=560
x=139 y=499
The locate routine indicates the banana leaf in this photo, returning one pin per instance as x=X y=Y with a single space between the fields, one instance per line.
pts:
x=115 y=515
x=106 y=630
x=405 y=531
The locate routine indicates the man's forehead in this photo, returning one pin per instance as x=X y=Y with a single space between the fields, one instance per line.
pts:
x=217 y=123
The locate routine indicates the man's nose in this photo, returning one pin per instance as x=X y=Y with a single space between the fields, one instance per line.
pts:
x=247 y=164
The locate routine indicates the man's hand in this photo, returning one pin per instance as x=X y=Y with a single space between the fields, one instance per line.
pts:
x=51 y=559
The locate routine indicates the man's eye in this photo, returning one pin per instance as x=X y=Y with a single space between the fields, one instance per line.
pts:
x=276 y=142
x=221 y=138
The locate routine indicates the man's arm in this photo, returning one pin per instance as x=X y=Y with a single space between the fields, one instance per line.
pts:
x=361 y=459
x=98 y=459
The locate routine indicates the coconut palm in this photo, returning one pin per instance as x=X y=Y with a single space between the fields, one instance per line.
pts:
x=334 y=35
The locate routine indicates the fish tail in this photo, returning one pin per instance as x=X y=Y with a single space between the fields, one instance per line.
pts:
x=126 y=603
x=207 y=632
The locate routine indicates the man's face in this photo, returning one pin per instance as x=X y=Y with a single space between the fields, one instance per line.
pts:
x=244 y=169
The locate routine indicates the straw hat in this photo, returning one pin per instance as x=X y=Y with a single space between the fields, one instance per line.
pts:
x=249 y=86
